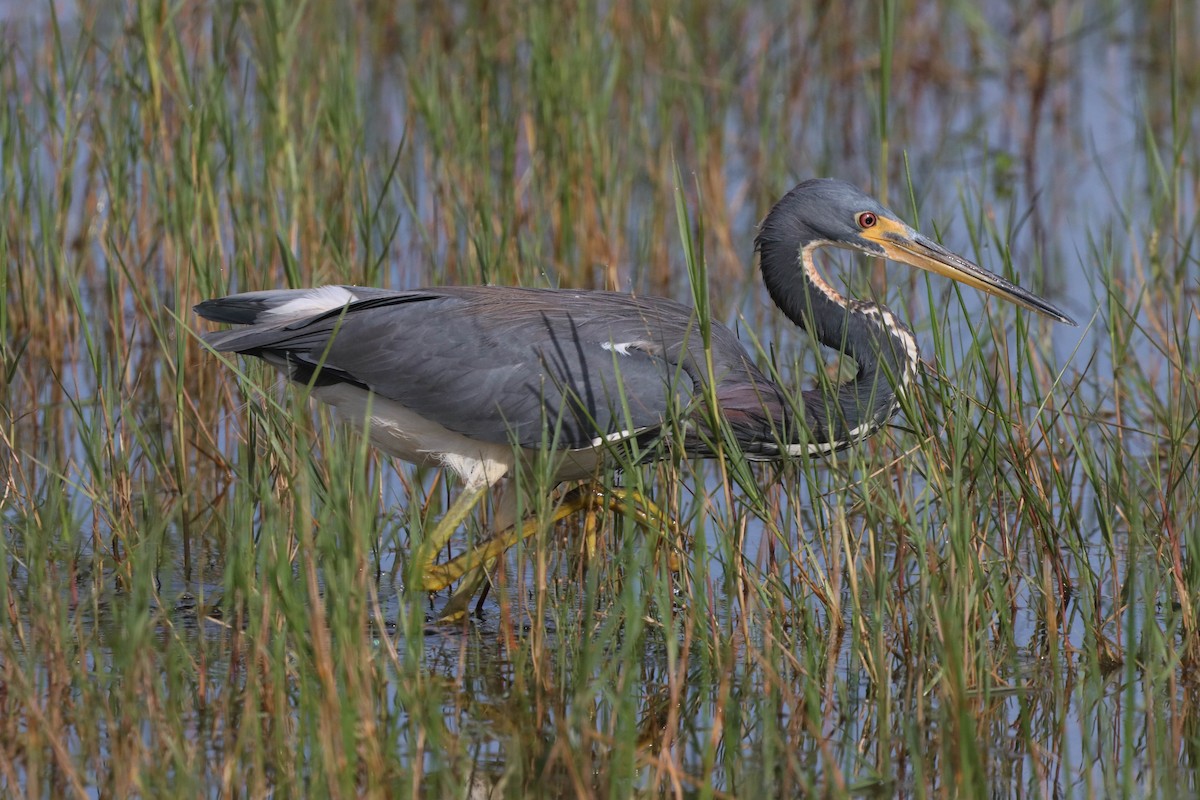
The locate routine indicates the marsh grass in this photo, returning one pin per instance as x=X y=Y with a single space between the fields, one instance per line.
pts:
x=203 y=576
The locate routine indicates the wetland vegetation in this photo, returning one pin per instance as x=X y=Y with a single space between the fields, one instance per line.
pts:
x=203 y=579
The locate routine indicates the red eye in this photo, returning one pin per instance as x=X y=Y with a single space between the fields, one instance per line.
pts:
x=867 y=220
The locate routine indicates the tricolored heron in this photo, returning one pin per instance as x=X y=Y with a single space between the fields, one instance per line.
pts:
x=479 y=378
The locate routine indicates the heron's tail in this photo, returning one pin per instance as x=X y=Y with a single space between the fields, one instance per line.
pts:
x=280 y=305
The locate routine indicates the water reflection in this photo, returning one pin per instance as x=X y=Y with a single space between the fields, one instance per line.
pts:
x=1024 y=130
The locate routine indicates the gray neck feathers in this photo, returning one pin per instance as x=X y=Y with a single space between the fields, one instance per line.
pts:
x=884 y=350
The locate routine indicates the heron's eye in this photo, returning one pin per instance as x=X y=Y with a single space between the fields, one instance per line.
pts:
x=867 y=220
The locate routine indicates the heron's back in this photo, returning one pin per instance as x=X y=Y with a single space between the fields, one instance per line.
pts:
x=502 y=365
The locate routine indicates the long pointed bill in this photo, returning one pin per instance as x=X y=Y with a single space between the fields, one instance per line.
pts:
x=910 y=247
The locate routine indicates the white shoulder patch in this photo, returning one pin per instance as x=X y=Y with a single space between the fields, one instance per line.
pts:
x=610 y=438
x=620 y=348
x=310 y=304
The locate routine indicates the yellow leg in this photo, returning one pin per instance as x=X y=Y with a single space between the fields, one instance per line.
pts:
x=591 y=527
x=456 y=607
x=474 y=564
x=638 y=507
x=439 y=576
x=647 y=515
x=427 y=552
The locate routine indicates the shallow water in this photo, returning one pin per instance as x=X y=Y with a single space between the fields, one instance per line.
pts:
x=1041 y=134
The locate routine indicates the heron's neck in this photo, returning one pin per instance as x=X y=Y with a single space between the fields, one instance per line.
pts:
x=883 y=347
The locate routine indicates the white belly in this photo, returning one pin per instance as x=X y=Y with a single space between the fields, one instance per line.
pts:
x=401 y=432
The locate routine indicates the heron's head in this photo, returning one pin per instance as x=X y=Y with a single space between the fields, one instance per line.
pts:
x=831 y=212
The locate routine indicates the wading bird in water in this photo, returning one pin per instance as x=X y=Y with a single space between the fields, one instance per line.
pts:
x=480 y=379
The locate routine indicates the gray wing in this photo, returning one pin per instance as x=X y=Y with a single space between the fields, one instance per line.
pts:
x=495 y=364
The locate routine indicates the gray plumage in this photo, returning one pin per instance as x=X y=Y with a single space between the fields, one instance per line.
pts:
x=462 y=373
x=883 y=347
x=508 y=365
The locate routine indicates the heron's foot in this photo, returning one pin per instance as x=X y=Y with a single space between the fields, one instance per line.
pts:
x=456 y=607
x=473 y=566
x=435 y=577
x=427 y=551
x=648 y=515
